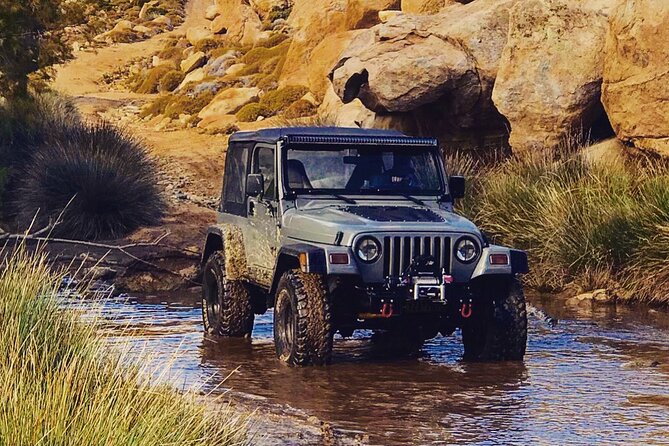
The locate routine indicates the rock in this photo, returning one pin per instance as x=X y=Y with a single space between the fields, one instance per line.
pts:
x=239 y=20
x=235 y=69
x=163 y=124
x=211 y=12
x=196 y=34
x=76 y=46
x=219 y=66
x=264 y=7
x=229 y=101
x=219 y=25
x=335 y=112
x=441 y=68
x=122 y=25
x=549 y=80
x=323 y=57
x=385 y=16
x=635 y=90
x=142 y=29
x=310 y=98
x=155 y=61
x=362 y=14
x=217 y=122
x=313 y=23
x=147 y=9
x=608 y=151
x=602 y=296
x=195 y=60
x=163 y=20
x=423 y=6
x=101 y=273
x=194 y=76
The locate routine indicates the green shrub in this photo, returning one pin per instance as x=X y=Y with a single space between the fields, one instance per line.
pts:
x=261 y=54
x=267 y=82
x=188 y=104
x=171 y=80
x=248 y=70
x=62 y=384
x=280 y=12
x=172 y=52
x=102 y=180
x=207 y=45
x=272 y=40
x=278 y=100
x=157 y=107
x=251 y=112
x=300 y=109
x=151 y=81
x=577 y=218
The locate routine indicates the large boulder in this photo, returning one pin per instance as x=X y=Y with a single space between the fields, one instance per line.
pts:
x=439 y=67
x=636 y=77
x=423 y=6
x=550 y=75
x=195 y=60
x=312 y=22
x=228 y=102
x=238 y=21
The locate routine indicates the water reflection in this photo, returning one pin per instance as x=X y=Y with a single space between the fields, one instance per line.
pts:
x=599 y=376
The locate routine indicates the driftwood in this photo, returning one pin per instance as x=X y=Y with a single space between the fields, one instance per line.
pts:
x=43 y=236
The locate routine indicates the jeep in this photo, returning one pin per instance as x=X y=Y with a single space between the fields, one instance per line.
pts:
x=341 y=229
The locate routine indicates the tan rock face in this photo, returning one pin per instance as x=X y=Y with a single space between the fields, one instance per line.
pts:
x=362 y=14
x=312 y=22
x=192 y=77
x=195 y=60
x=636 y=74
x=550 y=74
x=441 y=67
x=197 y=34
x=264 y=7
x=211 y=12
x=238 y=21
x=228 y=102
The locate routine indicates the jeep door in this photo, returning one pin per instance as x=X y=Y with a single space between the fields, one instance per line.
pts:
x=261 y=239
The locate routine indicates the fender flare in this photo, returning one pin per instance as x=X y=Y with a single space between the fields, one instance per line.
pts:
x=518 y=263
x=229 y=239
x=309 y=258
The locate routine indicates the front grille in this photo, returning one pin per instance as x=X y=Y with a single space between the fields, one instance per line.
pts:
x=399 y=250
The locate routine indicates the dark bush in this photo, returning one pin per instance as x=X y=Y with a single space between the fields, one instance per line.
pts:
x=171 y=80
x=108 y=176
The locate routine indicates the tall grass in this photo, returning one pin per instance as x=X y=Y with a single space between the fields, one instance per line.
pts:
x=60 y=386
x=593 y=224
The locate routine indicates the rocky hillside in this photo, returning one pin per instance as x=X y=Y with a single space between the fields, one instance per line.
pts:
x=476 y=73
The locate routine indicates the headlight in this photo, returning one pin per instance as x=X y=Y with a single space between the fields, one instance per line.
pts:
x=466 y=250
x=368 y=249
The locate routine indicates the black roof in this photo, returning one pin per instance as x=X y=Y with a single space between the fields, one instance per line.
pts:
x=331 y=135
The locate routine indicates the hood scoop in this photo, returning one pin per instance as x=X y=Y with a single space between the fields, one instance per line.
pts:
x=394 y=213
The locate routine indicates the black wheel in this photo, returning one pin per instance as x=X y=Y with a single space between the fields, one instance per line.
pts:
x=498 y=333
x=302 y=320
x=226 y=304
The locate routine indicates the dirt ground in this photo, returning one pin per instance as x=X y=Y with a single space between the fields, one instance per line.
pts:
x=191 y=164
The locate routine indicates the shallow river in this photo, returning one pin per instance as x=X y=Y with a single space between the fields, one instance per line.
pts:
x=591 y=376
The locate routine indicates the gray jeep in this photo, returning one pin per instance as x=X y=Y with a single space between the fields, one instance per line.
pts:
x=343 y=229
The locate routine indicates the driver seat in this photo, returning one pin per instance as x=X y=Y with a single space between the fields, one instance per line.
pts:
x=297 y=175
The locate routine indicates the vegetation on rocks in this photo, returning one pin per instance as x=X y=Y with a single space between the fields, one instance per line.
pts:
x=278 y=100
x=589 y=224
x=61 y=385
x=170 y=80
x=151 y=82
x=251 y=112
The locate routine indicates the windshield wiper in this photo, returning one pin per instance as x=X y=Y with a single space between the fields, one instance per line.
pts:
x=346 y=200
x=414 y=199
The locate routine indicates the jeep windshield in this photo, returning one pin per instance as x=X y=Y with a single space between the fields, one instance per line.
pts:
x=363 y=170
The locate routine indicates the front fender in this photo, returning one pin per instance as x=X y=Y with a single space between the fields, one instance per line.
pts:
x=517 y=262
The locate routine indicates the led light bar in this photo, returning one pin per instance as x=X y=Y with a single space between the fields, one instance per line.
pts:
x=362 y=140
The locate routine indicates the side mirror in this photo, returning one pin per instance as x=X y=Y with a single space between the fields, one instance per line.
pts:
x=456 y=187
x=255 y=185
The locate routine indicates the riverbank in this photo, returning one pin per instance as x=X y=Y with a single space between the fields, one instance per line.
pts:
x=60 y=384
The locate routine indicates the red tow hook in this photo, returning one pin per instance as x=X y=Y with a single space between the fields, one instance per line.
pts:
x=387 y=310
x=466 y=311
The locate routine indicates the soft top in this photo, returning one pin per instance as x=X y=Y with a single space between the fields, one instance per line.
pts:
x=330 y=135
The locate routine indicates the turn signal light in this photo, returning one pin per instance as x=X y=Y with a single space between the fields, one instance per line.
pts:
x=339 y=259
x=499 y=259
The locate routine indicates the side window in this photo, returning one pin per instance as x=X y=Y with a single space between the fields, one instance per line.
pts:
x=263 y=162
x=234 y=180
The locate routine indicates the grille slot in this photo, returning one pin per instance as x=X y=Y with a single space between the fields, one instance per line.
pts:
x=398 y=250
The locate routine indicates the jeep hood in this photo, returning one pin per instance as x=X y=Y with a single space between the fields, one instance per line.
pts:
x=320 y=222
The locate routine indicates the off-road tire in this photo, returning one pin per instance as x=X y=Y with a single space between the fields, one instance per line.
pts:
x=302 y=320
x=499 y=334
x=226 y=304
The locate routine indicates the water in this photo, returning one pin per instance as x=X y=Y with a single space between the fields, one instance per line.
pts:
x=598 y=376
